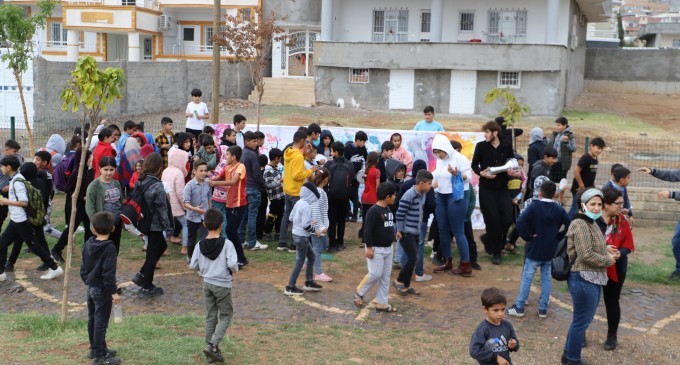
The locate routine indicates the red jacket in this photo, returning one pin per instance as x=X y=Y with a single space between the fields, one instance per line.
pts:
x=621 y=237
x=102 y=150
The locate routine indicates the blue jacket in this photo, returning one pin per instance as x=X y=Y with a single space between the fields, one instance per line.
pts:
x=539 y=225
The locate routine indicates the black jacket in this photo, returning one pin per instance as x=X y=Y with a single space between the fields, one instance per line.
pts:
x=254 y=177
x=99 y=265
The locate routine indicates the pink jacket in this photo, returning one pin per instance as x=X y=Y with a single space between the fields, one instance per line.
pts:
x=402 y=155
x=174 y=176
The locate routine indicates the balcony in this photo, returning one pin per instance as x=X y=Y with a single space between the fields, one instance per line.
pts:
x=191 y=52
x=147 y=4
x=111 y=15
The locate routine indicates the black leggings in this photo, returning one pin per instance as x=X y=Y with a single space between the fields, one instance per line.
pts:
x=470 y=235
x=234 y=217
x=155 y=247
x=612 y=293
x=23 y=231
x=18 y=243
x=81 y=217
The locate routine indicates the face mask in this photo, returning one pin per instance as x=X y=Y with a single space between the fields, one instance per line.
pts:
x=589 y=214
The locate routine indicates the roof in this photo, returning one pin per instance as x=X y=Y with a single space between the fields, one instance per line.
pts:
x=596 y=11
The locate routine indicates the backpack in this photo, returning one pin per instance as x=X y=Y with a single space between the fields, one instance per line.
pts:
x=561 y=265
x=340 y=180
x=35 y=210
x=134 y=210
x=62 y=172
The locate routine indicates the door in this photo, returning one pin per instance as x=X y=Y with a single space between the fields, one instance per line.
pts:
x=401 y=89
x=463 y=92
x=116 y=47
x=190 y=39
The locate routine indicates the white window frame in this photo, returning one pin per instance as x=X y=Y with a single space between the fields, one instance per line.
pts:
x=676 y=43
x=61 y=41
x=208 y=35
x=460 y=21
x=359 y=75
x=425 y=35
x=381 y=17
x=501 y=29
x=503 y=80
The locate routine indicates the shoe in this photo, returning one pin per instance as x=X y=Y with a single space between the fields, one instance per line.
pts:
x=9 y=267
x=138 y=279
x=611 y=343
x=267 y=237
x=496 y=259
x=423 y=278
x=565 y=361
x=432 y=254
x=543 y=313
x=342 y=247
x=242 y=263
x=109 y=353
x=464 y=269
x=293 y=290
x=42 y=267
x=430 y=243
x=3 y=277
x=323 y=277
x=282 y=248
x=213 y=353
x=515 y=312
x=475 y=265
x=51 y=274
x=448 y=265
x=675 y=275
x=150 y=293
x=107 y=361
x=80 y=229
x=585 y=343
x=259 y=246
x=311 y=286
x=57 y=256
x=292 y=249
x=485 y=242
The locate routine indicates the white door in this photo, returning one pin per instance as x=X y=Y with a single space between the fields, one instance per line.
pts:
x=190 y=39
x=401 y=89
x=463 y=92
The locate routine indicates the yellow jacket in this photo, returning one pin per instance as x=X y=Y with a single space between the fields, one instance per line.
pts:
x=294 y=173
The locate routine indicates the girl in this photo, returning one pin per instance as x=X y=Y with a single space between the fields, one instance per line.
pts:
x=185 y=143
x=451 y=208
x=617 y=234
x=228 y=138
x=73 y=145
x=320 y=217
x=174 y=176
x=370 y=195
x=401 y=153
x=129 y=154
x=105 y=194
x=135 y=175
x=219 y=196
x=324 y=148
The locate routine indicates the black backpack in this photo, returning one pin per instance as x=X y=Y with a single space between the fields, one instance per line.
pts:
x=341 y=176
x=561 y=265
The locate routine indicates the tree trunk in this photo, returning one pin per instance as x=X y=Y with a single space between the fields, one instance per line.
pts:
x=214 y=117
x=259 y=104
x=512 y=129
x=29 y=133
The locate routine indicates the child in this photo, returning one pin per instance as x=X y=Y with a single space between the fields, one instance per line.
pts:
x=495 y=337
x=541 y=168
x=56 y=147
x=428 y=124
x=260 y=140
x=369 y=196
x=12 y=148
x=585 y=171
x=324 y=147
x=254 y=185
x=379 y=237
x=386 y=151
x=43 y=161
x=98 y=272
x=356 y=153
x=228 y=138
x=564 y=142
x=19 y=228
x=342 y=179
x=401 y=153
x=539 y=225
x=164 y=139
x=209 y=131
x=105 y=194
x=472 y=201
x=303 y=228
x=174 y=176
x=75 y=143
x=135 y=175
x=207 y=152
x=409 y=218
x=196 y=113
x=102 y=149
x=196 y=195
x=216 y=260
x=320 y=223
x=239 y=126
x=263 y=161
x=517 y=188
x=273 y=182
x=620 y=179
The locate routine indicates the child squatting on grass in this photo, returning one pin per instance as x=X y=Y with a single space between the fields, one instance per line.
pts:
x=495 y=337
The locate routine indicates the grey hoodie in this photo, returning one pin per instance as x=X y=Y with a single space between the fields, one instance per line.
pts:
x=56 y=144
x=218 y=271
x=301 y=215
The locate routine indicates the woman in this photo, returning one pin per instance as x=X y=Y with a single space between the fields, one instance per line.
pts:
x=617 y=233
x=451 y=207
x=590 y=257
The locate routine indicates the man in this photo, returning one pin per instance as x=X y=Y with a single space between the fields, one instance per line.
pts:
x=495 y=199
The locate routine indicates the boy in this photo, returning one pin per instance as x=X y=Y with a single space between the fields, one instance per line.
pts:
x=254 y=185
x=619 y=180
x=12 y=148
x=564 y=143
x=239 y=125
x=228 y=138
x=19 y=229
x=260 y=140
x=495 y=337
x=164 y=139
x=264 y=202
x=379 y=235
x=216 y=260
x=313 y=133
x=356 y=153
x=209 y=131
x=341 y=180
x=272 y=181
x=428 y=124
x=542 y=167
x=98 y=272
x=303 y=228
x=43 y=161
x=197 y=196
x=409 y=218
x=129 y=128
x=539 y=225
x=207 y=152
x=585 y=171
x=196 y=113
x=386 y=152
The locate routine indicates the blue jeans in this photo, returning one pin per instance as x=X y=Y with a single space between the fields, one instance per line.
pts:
x=249 y=221
x=451 y=220
x=528 y=272
x=285 y=222
x=318 y=244
x=222 y=207
x=98 y=313
x=574 y=206
x=584 y=296
x=302 y=252
x=676 y=246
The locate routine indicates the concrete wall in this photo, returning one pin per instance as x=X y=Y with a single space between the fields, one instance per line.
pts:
x=640 y=64
x=333 y=83
x=151 y=86
x=574 y=65
x=540 y=90
x=298 y=12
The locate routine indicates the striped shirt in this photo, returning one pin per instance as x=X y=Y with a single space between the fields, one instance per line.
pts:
x=273 y=182
x=320 y=211
x=410 y=212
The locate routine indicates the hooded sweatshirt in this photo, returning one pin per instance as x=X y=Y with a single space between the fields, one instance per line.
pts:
x=430 y=202
x=56 y=146
x=216 y=260
x=301 y=215
x=321 y=149
x=174 y=175
x=294 y=173
x=99 y=265
x=101 y=150
x=454 y=159
x=564 y=149
x=536 y=146
x=391 y=168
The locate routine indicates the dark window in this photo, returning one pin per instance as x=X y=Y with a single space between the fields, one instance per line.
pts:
x=188 y=34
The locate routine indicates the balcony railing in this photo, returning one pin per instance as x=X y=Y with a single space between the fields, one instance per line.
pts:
x=148 y=4
x=61 y=45
x=191 y=50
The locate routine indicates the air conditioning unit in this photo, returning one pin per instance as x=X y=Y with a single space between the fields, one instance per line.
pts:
x=164 y=22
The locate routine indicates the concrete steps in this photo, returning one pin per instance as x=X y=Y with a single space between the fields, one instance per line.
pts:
x=287 y=91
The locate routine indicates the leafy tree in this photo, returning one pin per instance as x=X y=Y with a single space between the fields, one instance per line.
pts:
x=91 y=89
x=16 y=32
x=249 y=41
x=512 y=112
x=621 y=32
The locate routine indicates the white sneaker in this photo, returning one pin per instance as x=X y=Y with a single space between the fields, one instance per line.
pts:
x=51 y=274
x=3 y=277
x=80 y=229
x=425 y=277
x=259 y=246
x=432 y=255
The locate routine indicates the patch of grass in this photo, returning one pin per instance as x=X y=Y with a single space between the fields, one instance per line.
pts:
x=641 y=272
x=609 y=121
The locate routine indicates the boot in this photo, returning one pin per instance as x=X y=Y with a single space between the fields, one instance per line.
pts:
x=464 y=269
x=448 y=265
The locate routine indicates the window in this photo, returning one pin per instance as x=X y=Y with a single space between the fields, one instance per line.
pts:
x=507 y=26
x=466 y=22
x=358 y=76
x=148 y=49
x=425 y=20
x=57 y=34
x=390 y=25
x=208 y=34
x=509 y=79
x=188 y=34
x=676 y=43
x=246 y=14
